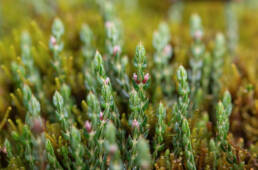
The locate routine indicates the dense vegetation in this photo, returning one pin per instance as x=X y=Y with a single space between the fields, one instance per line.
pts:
x=128 y=84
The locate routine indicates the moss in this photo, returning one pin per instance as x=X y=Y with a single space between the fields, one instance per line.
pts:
x=139 y=21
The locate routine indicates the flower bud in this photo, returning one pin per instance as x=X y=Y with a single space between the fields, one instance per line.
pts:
x=146 y=78
x=198 y=34
x=135 y=124
x=116 y=49
x=113 y=148
x=135 y=77
x=3 y=149
x=106 y=81
x=87 y=126
x=108 y=24
x=101 y=116
x=37 y=126
x=167 y=50
x=53 y=41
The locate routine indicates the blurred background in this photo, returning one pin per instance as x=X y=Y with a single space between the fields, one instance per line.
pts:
x=140 y=17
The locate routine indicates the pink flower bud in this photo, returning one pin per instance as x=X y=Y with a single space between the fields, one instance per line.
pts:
x=3 y=149
x=101 y=116
x=146 y=78
x=112 y=148
x=87 y=126
x=198 y=34
x=135 y=78
x=37 y=126
x=108 y=24
x=116 y=49
x=135 y=124
x=53 y=40
x=167 y=50
x=106 y=81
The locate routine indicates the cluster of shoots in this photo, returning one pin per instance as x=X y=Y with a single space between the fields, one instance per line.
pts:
x=119 y=116
x=196 y=60
x=162 y=69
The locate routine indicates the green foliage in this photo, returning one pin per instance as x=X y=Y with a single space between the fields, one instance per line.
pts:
x=53 y=162
x=143 y=154
x=159 y=130
x=196 y=61
x=77 y=92
x=162 y=70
